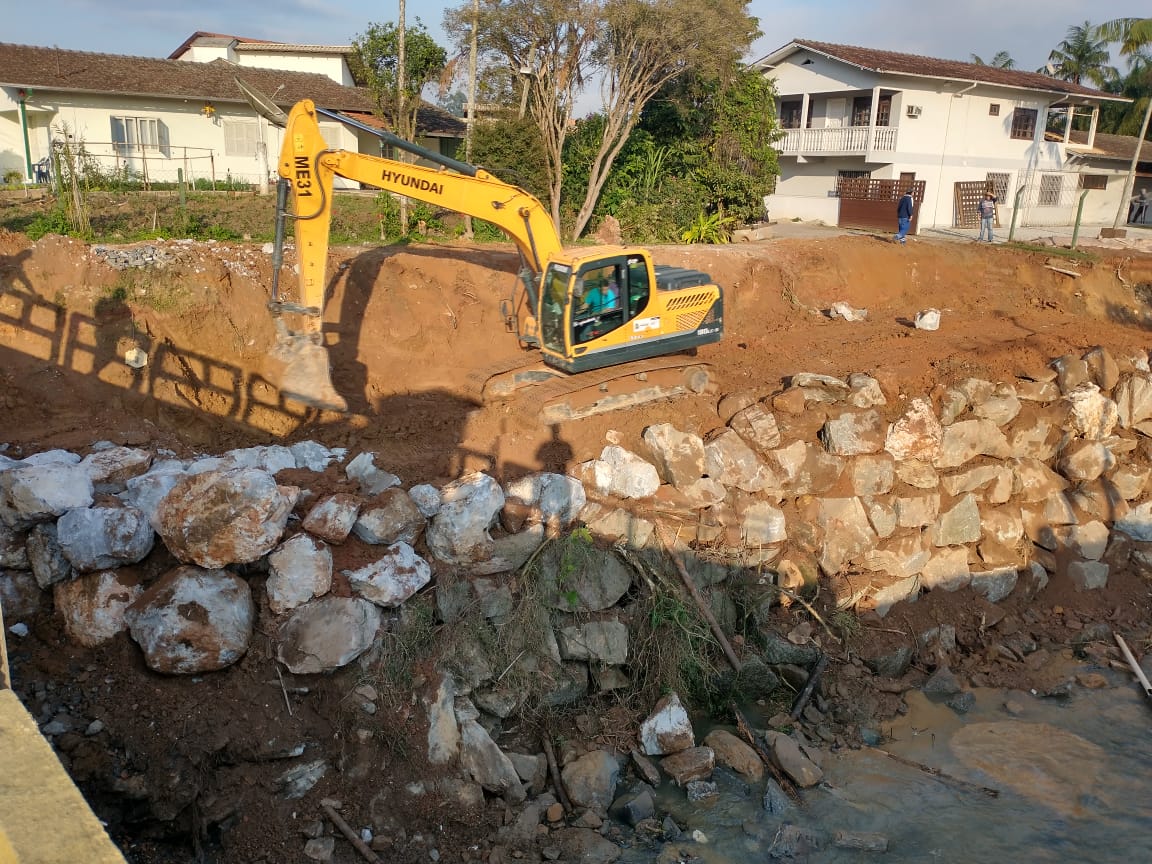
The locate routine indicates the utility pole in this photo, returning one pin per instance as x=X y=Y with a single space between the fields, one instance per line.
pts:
x=401 y=117
x=471 y=122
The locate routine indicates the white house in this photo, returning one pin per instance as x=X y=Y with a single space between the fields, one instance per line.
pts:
x=328 y=60
x=956 y=128
x=156 y=118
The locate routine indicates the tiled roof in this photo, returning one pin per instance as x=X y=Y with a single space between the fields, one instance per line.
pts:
x=1106 y=146
x=289 y=48
x=209 y=39
x=430 y=120
x=913 y=64
x=55 y=69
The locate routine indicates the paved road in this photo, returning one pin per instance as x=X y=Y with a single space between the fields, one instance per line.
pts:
x=1138 y=239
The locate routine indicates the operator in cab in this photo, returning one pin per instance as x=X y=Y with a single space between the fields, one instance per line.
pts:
x=602 y=295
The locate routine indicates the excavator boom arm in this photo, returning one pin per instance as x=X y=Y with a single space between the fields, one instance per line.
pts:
x=310 y=168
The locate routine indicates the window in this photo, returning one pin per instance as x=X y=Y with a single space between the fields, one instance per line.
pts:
x=883 y=110
x=861 y=110
x=1049 y=190
x=846 y=177
x=998 y=183
x=131 y=135
x=994 y=109
x=240 y=137
x=790 y=115
x=1093 y=181
x=1024 y=123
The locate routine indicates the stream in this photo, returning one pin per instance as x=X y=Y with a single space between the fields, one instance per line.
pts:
x=1074 y=779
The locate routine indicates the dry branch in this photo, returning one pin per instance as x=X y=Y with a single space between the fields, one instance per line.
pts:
x=352 y=836
x=938 y=774
x=809 y=688
x=700 y=604
x=554 y=770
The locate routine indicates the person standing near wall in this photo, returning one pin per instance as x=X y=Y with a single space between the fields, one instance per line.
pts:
x=986 y=210
x=904 y=215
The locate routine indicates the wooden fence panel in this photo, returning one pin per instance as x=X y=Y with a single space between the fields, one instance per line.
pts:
x=871 y=204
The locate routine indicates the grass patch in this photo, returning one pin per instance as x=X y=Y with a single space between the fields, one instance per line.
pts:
x=1056 y=251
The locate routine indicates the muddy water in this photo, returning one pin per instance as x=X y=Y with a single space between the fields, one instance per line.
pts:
x=1074 y=776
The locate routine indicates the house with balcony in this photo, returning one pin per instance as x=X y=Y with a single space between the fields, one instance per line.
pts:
x=867 y=125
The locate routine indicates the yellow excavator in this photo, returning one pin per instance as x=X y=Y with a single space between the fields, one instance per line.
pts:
x=584 y=308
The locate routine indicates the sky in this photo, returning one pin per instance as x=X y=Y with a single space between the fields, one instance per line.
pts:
x=951 y=29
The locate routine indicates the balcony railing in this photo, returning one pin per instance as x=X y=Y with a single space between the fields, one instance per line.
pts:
x=842 y=139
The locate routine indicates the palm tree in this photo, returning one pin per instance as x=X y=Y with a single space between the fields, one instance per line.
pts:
x=1001 y=60
x=1082 y=55
x=1133 y=34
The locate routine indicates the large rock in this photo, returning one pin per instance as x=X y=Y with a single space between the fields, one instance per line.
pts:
x=623 y=474
x=110 y=469
x=443 y=728
x=331 y=519
x=1138 y=523
x=763 y=525
x=866 y=391
x=193 y=620
x=917 y=434
x=549 y=497
x=758 y=427
x=917 y=511
x=735 y=754
x=299 y=569
x=667 y=729
x=327 y=633
x=148 y=490
x=581 y=577
x=1035 y=481
x=395 y=518
x=854 y=433
x=678 y=456
x=918 y=473
x=806 y=469
x=847 y=532
x=1133 y=396
x=728 y=460
x=994 y=483
x=585 y=846
x=1093 y=414
x=1084 y=461
x=591 y=780
x=967 y=439
x=872 y=475
x=958 y=525
x=686 y=766
x=947 y=571
x=372 y=480
x=93 y=606
x=900 y=557
x=101 y=538
x=393 y=578
x=46 y=558
x=996 y=584
x=20 y=595
x=230 y=517
x=312 y=456
x=786 y=753
x=1001 y=406
x=604 y=641
x=13 y=555
x=483 y=760
x=39 y=493
x=458 y=533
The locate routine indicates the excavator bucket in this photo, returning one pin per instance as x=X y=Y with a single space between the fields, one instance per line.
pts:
x=306 y=376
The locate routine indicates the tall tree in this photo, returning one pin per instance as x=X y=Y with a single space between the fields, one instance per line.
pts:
x=550 y=44
x=1083 y=55
x=633 y=47
x=1134 y=35
x=377 y=67
x=648 y=43
x=1001 y=60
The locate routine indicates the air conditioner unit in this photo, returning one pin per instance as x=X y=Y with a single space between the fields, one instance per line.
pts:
x=913 y=110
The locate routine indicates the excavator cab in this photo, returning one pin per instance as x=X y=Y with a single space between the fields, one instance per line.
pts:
x=609 y=305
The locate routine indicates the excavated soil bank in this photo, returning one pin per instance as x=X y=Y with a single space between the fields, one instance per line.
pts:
x=413 y=331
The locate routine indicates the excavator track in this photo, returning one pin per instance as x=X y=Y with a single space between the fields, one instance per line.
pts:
x=555 y=397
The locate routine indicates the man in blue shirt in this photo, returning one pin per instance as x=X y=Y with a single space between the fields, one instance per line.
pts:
x=904 y=215
x=600 y=298
x=986 y=210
